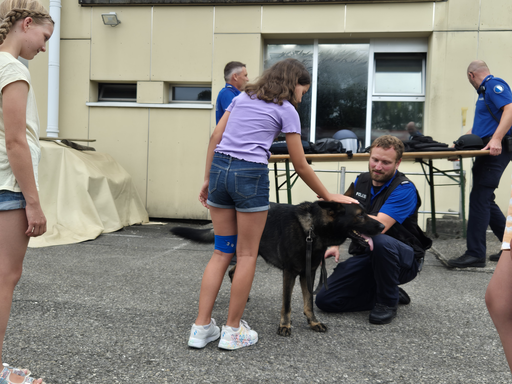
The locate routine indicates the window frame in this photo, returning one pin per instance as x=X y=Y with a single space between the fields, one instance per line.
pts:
x=411 y=46
x=423 y=83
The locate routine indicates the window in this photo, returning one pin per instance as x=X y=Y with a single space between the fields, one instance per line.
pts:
x=338 y=94
x=191 y=94
x=117 y=92
x=398 y=95
x=342 y=89
x=341 y=97
x=303 y=53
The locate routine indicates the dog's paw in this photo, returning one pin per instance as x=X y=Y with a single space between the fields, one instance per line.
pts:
x=284 y=330
x=318 y=327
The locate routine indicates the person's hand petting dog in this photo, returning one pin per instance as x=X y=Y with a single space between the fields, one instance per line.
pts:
x=339 y=198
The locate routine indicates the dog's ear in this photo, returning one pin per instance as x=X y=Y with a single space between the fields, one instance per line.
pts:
x=350 y=190
x=331 y=207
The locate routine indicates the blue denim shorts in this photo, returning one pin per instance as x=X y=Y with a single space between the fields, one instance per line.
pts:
x=238 y=184
x=11 y=200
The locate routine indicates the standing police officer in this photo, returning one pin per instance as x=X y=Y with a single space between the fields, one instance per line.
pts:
x=235 y=75
x=493 y=121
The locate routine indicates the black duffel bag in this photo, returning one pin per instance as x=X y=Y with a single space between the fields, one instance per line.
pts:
x=280 y=147
x=328 y=145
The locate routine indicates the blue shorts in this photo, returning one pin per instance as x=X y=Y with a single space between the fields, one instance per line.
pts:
x=11 y=200
x=238 y=184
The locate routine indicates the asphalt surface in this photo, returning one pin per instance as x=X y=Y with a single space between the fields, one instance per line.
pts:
x=119 y=309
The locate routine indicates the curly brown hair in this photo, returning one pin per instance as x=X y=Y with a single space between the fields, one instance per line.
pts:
x=13 y=10
x=278 y=82
x=388 y=141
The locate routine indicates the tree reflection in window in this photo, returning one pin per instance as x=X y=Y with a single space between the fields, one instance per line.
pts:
x=303 y=53
x=342 y=89
x=342 y=86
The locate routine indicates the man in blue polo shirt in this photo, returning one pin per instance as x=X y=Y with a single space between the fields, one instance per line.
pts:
x=235 y=75
x=369 y=279
x=493 y=119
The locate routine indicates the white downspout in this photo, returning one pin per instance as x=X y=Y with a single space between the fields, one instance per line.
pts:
x=52 y=129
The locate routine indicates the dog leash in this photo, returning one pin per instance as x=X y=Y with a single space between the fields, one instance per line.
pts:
x=323 y=270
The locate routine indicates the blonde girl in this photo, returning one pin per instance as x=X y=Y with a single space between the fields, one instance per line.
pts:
x=25 y=27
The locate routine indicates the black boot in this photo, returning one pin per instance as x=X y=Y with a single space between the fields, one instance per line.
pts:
x=382 y=314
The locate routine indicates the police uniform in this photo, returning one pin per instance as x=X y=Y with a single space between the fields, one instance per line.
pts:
x=224 y=98
x=370 y=277
x=493 y=94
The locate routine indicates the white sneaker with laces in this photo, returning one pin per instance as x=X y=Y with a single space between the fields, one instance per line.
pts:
x=244 y=337
x=200 y=336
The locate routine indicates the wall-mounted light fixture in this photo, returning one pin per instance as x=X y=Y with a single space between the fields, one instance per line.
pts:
x=110 y=19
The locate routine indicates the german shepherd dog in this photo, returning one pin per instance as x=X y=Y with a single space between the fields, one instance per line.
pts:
x=283 y=244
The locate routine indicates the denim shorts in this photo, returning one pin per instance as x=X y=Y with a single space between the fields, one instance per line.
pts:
x=238 y=184
x=11 y=200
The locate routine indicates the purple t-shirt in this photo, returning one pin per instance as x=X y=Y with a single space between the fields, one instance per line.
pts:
x=253 y=125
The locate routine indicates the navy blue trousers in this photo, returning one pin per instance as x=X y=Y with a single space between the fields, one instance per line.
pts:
x=483 y=211
x=373 y=277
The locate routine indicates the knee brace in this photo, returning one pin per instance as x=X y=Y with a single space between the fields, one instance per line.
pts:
x=226 y=244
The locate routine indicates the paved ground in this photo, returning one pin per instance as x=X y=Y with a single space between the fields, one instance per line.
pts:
x=119 y=309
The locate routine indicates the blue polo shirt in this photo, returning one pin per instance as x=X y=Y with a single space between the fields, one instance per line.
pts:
x=226 y=95
x=401 y=203
x=497 y=94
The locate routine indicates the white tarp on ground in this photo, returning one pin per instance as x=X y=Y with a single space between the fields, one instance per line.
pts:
x=84 y=194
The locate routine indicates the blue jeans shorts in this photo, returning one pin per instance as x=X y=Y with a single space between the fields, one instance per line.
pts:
x=11 y=200
x=238 y=184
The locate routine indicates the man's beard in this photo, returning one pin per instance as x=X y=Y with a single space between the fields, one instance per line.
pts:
x=381 y=177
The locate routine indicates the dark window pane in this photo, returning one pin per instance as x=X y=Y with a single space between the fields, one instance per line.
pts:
x=117 y=92
x=191 y=94
x=391 y=117
x=342 y=89
x=303 y=53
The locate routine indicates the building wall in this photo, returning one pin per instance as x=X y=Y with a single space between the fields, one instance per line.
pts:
x=156 y=46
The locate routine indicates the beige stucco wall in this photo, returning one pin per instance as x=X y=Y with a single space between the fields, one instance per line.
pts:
x=164 y=149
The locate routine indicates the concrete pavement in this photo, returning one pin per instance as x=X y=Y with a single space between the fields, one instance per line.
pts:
x=119 y=309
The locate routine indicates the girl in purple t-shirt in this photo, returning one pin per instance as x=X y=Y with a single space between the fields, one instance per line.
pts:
x=236 y=190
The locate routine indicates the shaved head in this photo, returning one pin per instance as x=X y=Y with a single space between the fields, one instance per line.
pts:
x=477 y=72
x=478 y=66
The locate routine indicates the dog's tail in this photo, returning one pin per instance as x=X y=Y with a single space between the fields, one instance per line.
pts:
x=198 y=235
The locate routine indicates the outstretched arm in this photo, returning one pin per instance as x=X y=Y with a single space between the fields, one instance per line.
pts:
x=306 y=173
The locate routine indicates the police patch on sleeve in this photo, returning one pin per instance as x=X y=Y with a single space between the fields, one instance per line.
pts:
x=498 y=89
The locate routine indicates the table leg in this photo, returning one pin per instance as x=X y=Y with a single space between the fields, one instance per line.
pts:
x=462 y=197
x=288 y=185
x=432 y=198
x=276 y=179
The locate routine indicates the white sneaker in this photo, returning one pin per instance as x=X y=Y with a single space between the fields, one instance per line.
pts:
x=244 y=337
x=200 y=335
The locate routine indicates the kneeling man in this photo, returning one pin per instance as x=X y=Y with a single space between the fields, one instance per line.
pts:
x=369 y=279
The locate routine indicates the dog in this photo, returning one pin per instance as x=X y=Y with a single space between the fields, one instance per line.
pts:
x=283 y=244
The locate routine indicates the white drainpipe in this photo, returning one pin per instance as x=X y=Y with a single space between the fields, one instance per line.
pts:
x=52 y=129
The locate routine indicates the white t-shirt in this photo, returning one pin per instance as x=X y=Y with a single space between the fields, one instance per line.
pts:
x=12 y=70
